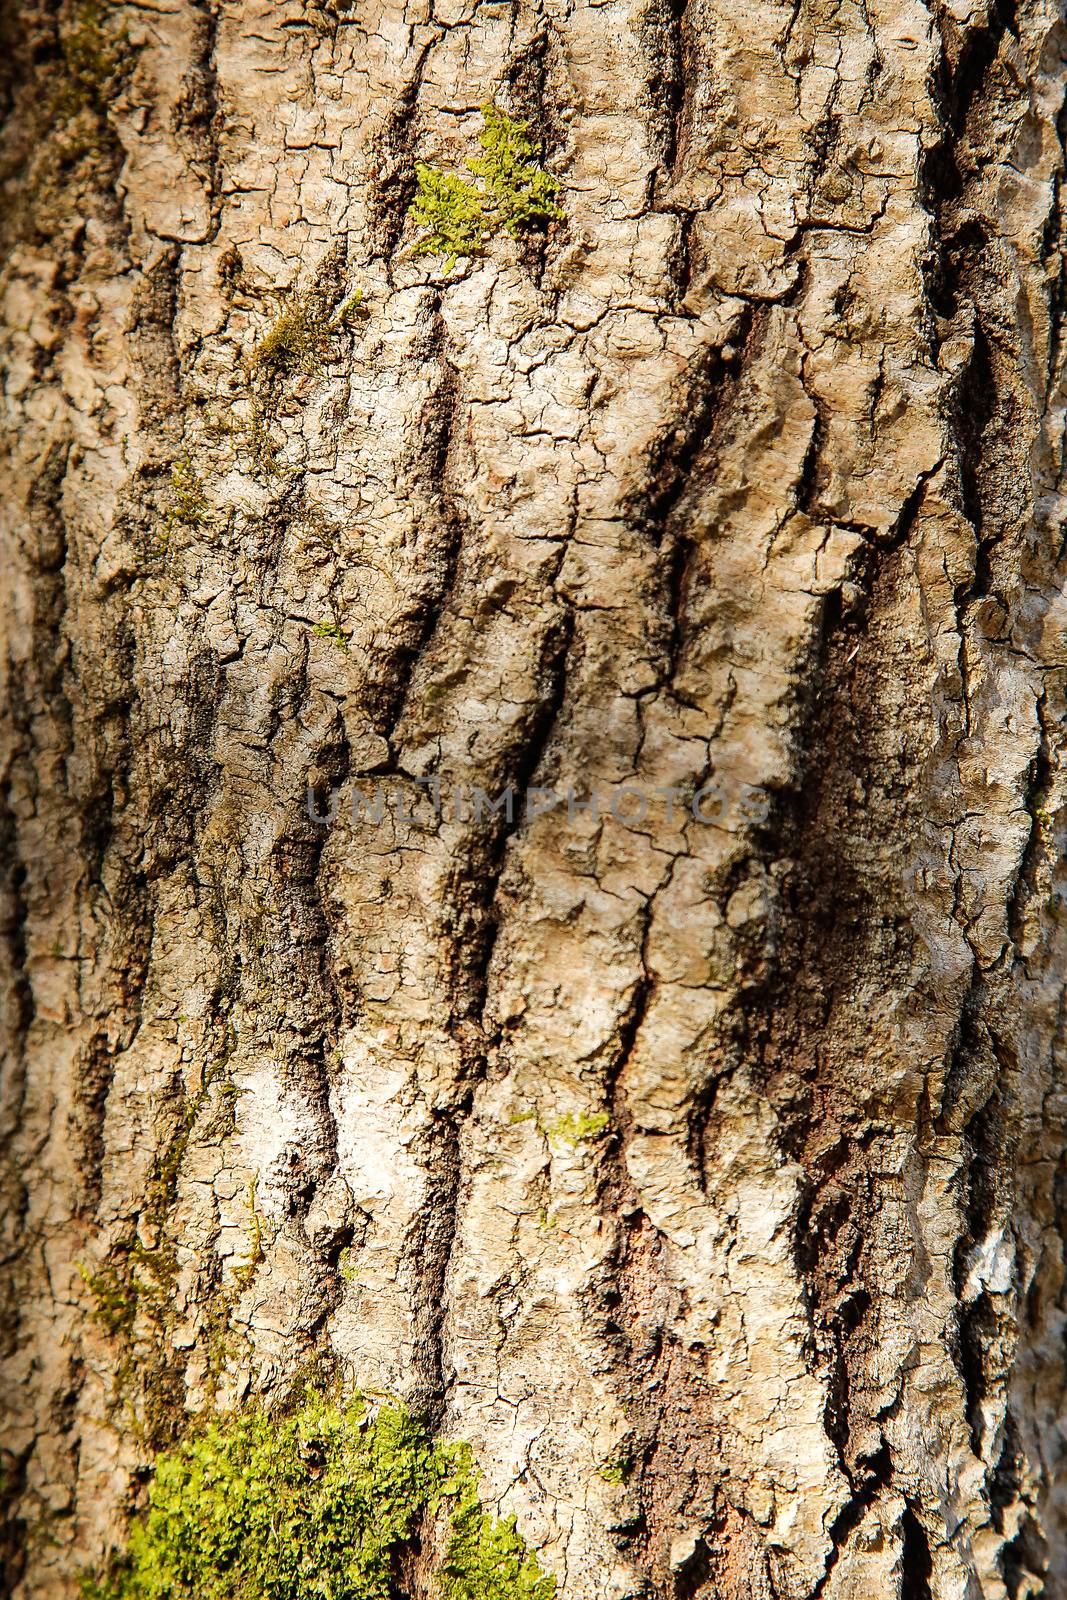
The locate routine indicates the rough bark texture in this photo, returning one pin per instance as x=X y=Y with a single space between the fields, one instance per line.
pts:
x=750 y=472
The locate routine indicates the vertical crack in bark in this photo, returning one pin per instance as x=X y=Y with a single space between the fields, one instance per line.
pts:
x=479 y=866
x=484 y=862
x=916 y=1561
x=994 y=421
x=198 y=114
x=684 y=454
x=663 y=28
x=838 y=920
x=434 y=446
x=394 y=178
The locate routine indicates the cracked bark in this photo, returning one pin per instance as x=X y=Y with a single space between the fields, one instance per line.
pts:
x=750 y=473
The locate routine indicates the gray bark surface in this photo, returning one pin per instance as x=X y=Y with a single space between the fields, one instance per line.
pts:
x=707 y=1176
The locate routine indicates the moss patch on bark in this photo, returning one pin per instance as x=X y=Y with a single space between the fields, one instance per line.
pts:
x=511 y=193
x=320 y=1504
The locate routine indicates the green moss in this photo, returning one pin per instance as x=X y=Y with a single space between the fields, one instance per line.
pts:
x=114 y=1297
x=453 y=213
x=137 y=1280
x=317 y=1505
x=331 y=631
x=141 y=1278
x=257 y=440
x=486 y=1558
x=521 y=194
x=246 y=1271
x=573 y=1129
x=570 y=1128
x=617 y=1471
x=64 y=166
x=162 y=1188
x=134 y=1292
x=511 y=193
x=220 y=1343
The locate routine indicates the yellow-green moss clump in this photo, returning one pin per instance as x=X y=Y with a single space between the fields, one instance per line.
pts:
x=333 y=632
x=574 y=1128
x=313 y=1506
x=487 y=1559
x=511 y=193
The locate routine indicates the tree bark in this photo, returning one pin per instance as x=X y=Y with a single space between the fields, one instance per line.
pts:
x=704 y=1168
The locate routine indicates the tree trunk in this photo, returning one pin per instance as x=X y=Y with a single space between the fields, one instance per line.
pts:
x=695 y=1152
